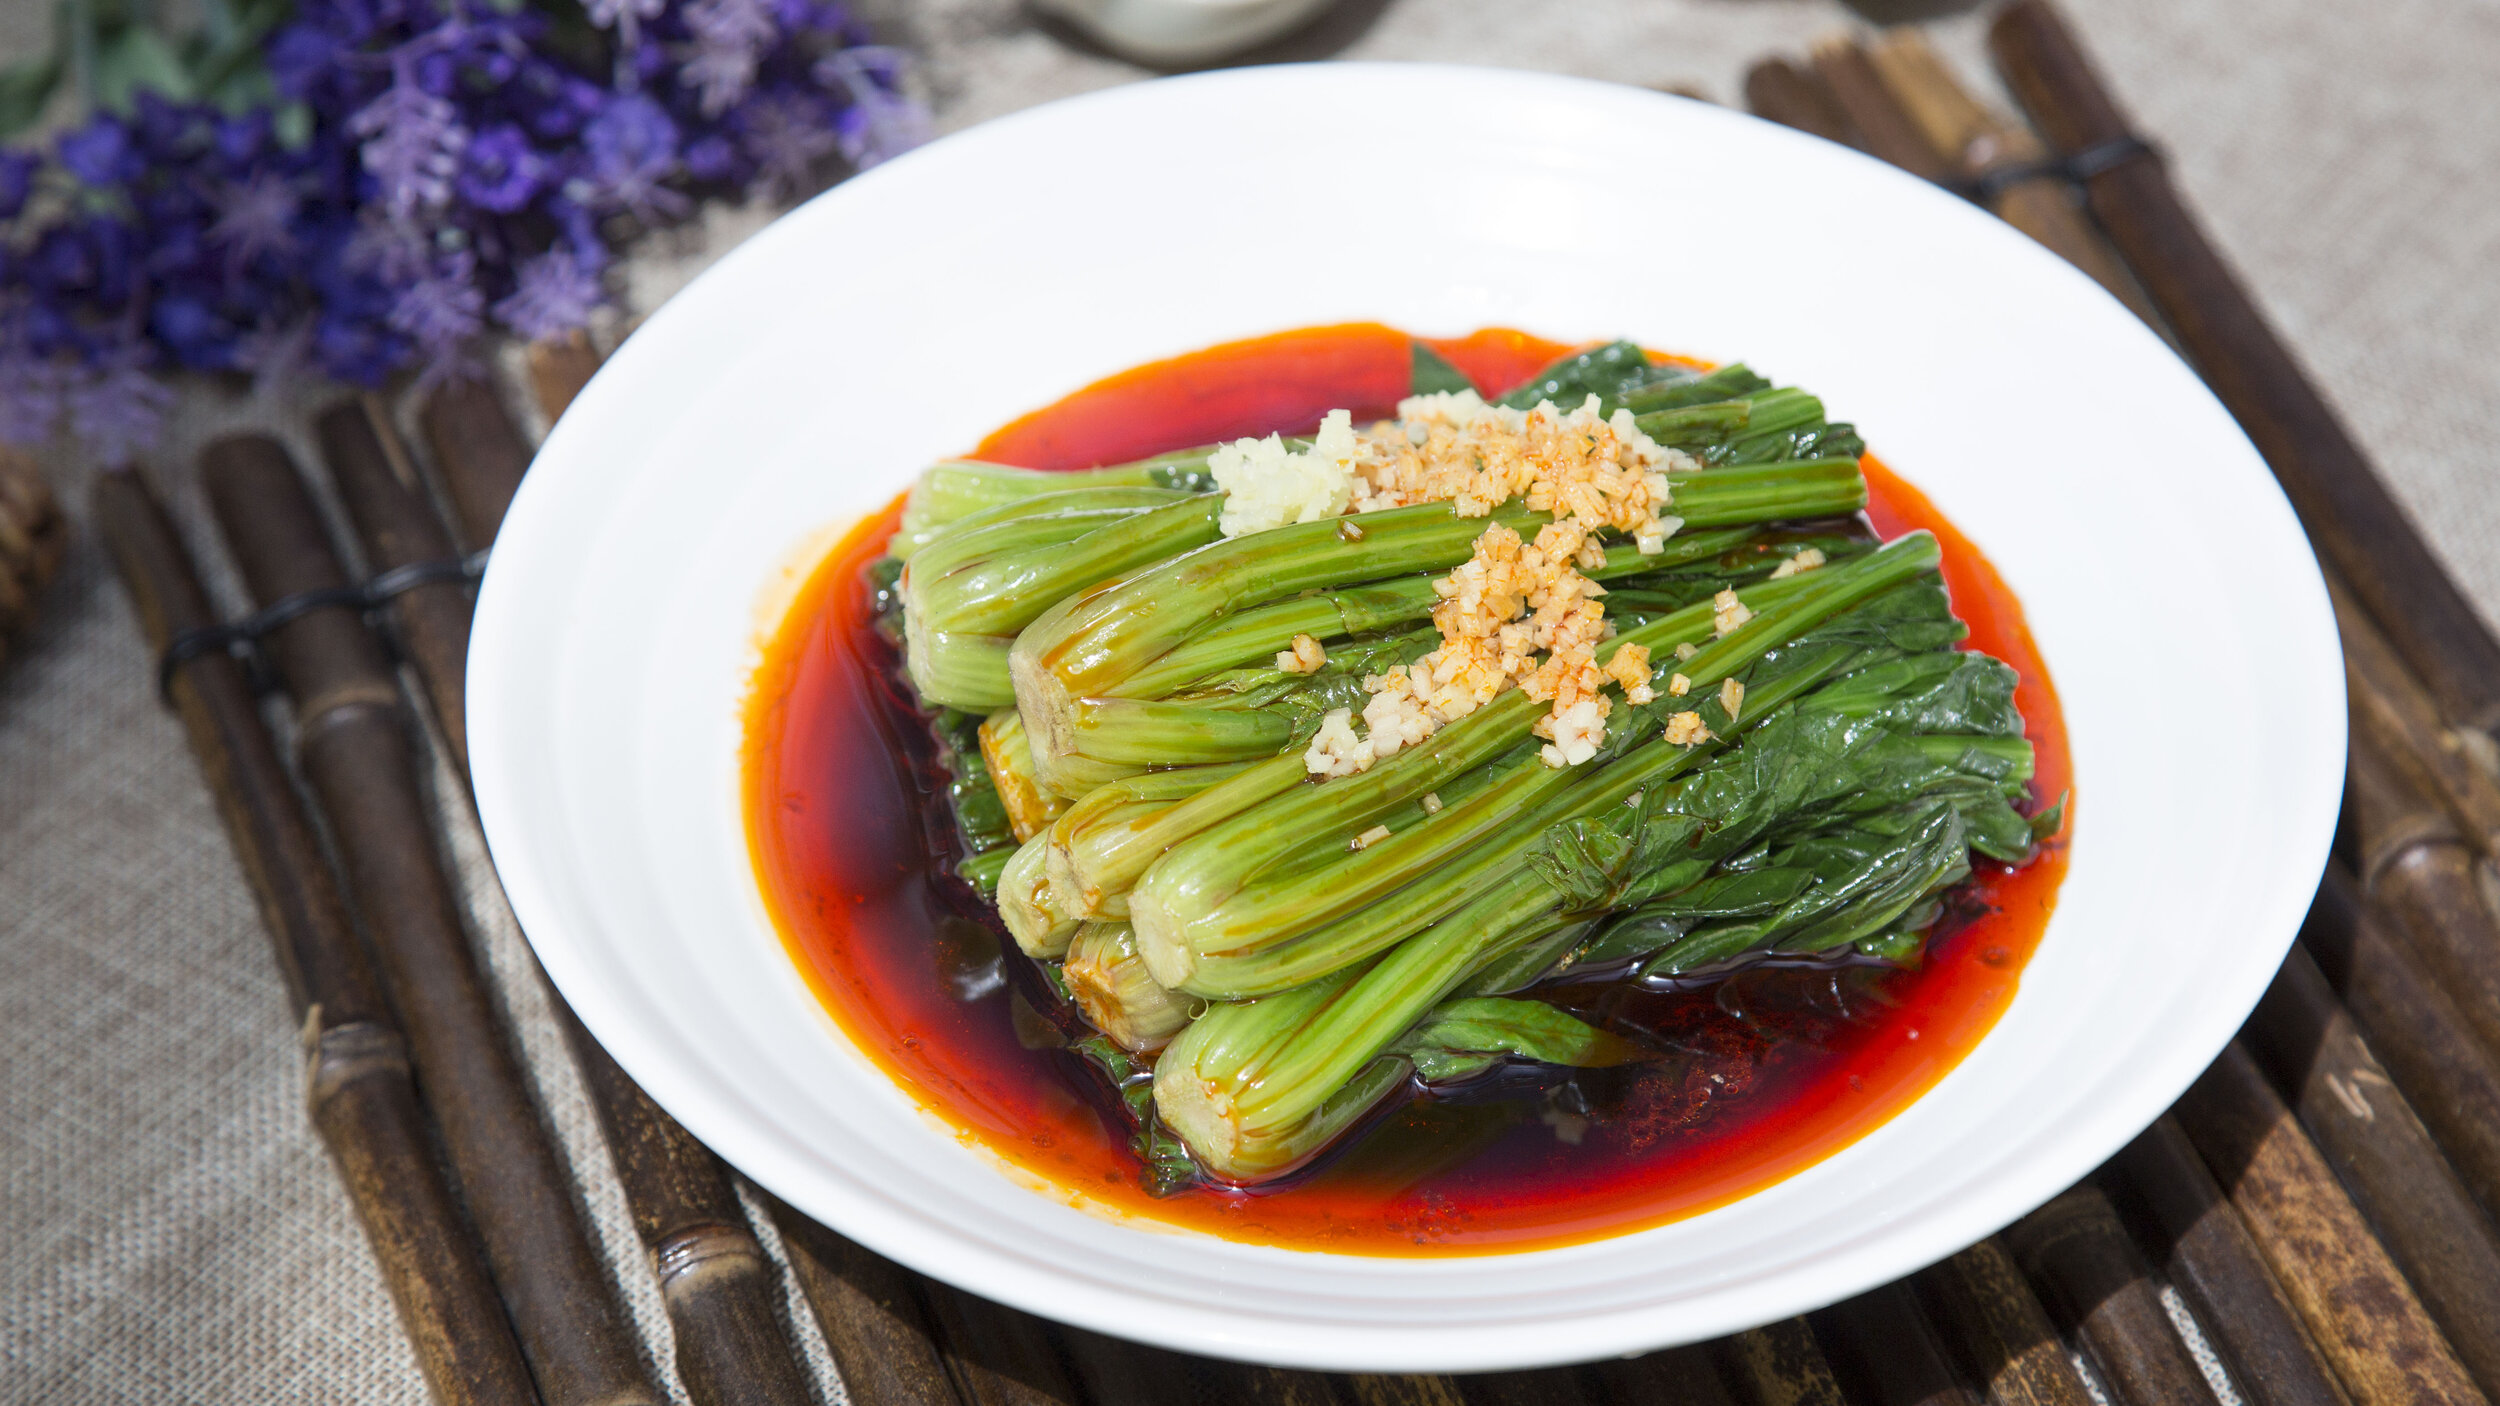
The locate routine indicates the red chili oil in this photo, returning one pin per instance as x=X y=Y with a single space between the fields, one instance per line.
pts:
x=1775 y=1069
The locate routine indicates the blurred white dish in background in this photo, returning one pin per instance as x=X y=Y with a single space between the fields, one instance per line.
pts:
x=803 y=381
x=1171 y=32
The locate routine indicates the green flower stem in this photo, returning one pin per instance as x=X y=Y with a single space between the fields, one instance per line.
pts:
x=959 y=620
x=1206 y=898
x=953 y=489
x=1253 y=636
x=1255 y=1088
x=1090 y=646
x=1111 y=986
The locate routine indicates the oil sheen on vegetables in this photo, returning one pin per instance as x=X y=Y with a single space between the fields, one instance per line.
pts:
x=1774 y=1070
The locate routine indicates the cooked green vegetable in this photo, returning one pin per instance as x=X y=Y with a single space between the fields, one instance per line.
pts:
x=1804 y=766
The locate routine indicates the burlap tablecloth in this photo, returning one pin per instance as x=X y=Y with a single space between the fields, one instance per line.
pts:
x=173 y=1231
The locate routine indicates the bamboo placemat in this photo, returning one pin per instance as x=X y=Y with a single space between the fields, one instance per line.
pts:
x=2318 y=1210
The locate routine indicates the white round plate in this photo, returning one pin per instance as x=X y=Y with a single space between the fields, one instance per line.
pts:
x=896 y=319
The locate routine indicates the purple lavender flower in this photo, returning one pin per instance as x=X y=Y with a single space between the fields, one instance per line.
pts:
x=386 y=251
x=554 y=293
x=730 y=37
x=256 y=216
x=274 y=354
x=412 y=141
x=115 y=407
x=501 y=170
x=30 y=392
x=100 y=153
x=17 y=180
x=632 y=145
x=623 y=16
x=787 y=133
x=880 y=123
x=443 y=309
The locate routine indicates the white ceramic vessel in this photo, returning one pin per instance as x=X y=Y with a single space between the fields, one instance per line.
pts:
x=802 y=382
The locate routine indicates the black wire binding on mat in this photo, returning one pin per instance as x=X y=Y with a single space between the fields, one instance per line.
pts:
x=2074 y=168
x=241 y=638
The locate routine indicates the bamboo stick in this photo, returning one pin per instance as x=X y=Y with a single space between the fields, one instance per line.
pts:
x=353 y=743
x=1885 y=1351
x=2391 y=705
x=718 y=1286
x=2363 y=1314
x=397 y=527
x=466 y=425
x=2418 y=872
x=1999 y=1331
x=874 y=1321
x=356 y=1068
x=1887 y=127
x=1380 y=1389
x=2451 y=1080
x=995 y=1355
x=1784 y=93
x=2356 y=523
x=720 y=1289
x=2370 y=1136
x=33 y=535
x=1557 y=1386
x=2103 y=1297
x=1779 y=1364
x=1976 y=143
x=558 y=369
x=1675 y=1376
x=2207 y=1253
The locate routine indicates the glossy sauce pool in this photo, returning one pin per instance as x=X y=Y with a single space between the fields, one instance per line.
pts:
x=1778 y=1069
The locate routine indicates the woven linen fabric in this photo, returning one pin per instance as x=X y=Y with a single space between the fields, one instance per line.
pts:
x=175 y=1232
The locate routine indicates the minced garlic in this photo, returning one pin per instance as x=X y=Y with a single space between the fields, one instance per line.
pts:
x=1687 y=729
x=1678 y=686
x=1806 y=560
x=1305 y=657
x=1371 y=837
x=1686 y=651
x=1727 y=613
x=1732 y=698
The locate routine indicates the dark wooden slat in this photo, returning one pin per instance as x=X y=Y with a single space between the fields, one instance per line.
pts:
x=1886 y=128
x=873 y=1318
x=2205 y=1251
x=2351 y=517
x=1885 y=1351
x=1381 y=1389
x=1998 y=1331
x=2389 y=704
x=721 y=1290
x=480 y=452
x=397 y=527
x=2307 y=1044
x=2450 y=1079
x=354 y=744
x=1675 y=1376
x=2102 y=1295
x=1976 y=141
x=558 y=371
x=2417 y=872
x=1555 y=1386
x=1779 y=1364
x=2362 y=1313
x=997 y=1356
x=361 y=1098
x=1784 y=93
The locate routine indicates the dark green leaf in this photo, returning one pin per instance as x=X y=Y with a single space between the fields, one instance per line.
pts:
x=1433 y=372
x=1607 y=372
x=1465 y=1037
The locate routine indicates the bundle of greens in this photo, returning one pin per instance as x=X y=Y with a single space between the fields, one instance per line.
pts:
x=1146 y=680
